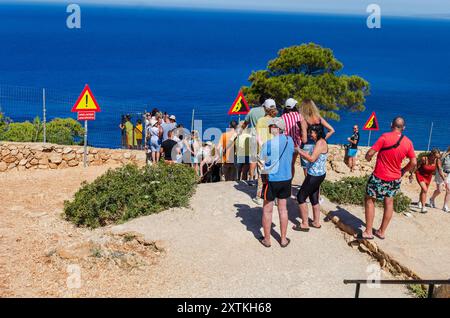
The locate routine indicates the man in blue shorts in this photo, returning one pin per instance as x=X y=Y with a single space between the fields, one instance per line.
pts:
x=276 y=154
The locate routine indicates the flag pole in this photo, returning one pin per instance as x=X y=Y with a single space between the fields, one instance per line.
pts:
x=368 y=143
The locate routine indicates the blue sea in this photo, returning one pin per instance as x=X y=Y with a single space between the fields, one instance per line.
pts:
x=135 y=59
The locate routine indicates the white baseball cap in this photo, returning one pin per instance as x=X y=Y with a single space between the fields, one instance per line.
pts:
x=269 y=104
x=291 y=103
x=172 y=117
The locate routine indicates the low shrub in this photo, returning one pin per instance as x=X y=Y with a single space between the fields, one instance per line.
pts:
x=128 y=192
x=352 y=190
x=62 y=131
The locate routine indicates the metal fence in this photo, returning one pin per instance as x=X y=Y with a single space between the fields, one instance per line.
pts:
x=21 y=104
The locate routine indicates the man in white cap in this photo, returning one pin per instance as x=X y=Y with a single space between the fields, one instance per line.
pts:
x=263 y=135
x=296 y=127
x=276 y=154
x=171 y=125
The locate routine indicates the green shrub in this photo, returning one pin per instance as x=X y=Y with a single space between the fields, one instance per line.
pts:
x=352 y=190
x=63 y=131
x=129 y=192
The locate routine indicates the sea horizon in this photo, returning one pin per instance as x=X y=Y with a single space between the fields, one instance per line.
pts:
x=187 y=66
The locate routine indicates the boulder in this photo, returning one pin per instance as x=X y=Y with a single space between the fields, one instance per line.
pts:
x=76 y=250
x=93 y=151
x=36 y=147
x=73 y=163
x=43 y=161
x=25 y=152
x=69 y=156
x=3 y=166
x=5 y=152
x=23 y=162
x=14 y=152
x=12 y=166
x=55 y=158
x=340 y=167
x=80 y=151
x=127 y=155
x=9 y=159
x=43 y=166
x=67 y=150
x=62 y=165
x=39 y=155
x=34 y=161
x=52 y=165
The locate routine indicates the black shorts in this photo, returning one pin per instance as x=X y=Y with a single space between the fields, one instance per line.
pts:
x=276 y=189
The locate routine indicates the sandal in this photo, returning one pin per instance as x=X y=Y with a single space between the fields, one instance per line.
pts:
x=263 y=242
x=311 y=224
x=285 y=245
x=361 y=237
x=378 y=235
x=299 y=228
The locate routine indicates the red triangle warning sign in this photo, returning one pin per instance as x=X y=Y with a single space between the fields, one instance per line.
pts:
x=86 y=102
x=240 y=106
x=372 y=123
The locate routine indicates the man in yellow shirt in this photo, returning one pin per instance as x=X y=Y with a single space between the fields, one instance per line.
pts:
x=262 y=128
x=262 y=135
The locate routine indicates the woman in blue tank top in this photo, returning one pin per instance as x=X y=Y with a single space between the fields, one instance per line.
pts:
x=316 y=172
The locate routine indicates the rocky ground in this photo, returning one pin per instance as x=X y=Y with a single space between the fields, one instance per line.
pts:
x=41 y=254
x=210 y=249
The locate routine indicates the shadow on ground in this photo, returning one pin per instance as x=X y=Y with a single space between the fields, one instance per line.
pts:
x=347 y=218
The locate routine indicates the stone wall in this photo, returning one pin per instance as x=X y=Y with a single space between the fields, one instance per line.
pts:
x=25 y=156
x=336 y=163
x=29 y=156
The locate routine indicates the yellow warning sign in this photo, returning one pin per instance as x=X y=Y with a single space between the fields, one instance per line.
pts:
x=240 y=106
x=372 y=123
x=86 y=101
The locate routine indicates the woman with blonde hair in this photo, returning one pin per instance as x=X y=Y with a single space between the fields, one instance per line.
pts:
x=311 y=114
x=194 y=145
x=442 y=179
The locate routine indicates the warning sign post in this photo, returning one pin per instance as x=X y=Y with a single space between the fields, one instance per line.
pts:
x=370 y=125
x=86 y=106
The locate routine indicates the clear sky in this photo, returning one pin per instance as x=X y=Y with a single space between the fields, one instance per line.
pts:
x=388 y=7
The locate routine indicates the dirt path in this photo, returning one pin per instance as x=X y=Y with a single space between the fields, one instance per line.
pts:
x=213 y=251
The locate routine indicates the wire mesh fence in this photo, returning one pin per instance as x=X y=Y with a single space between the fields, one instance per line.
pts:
x=20 y=104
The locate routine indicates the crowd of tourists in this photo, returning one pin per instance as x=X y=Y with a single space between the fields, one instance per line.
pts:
x=263 y=150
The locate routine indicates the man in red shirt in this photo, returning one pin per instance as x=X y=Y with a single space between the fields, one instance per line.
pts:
x=384 y=183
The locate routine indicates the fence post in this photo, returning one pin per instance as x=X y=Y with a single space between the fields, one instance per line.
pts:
x=44 y=115
x=85 y=143
x=429 y=138
x=192 y=121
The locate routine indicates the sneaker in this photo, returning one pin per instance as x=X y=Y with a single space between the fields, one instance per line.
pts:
x=423 y=210
x=321 y=200
x=432 y=204
x=257 y=200
x=446 y=209
x=419 y=204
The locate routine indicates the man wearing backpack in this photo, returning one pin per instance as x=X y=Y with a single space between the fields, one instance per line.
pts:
x=384 y=183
